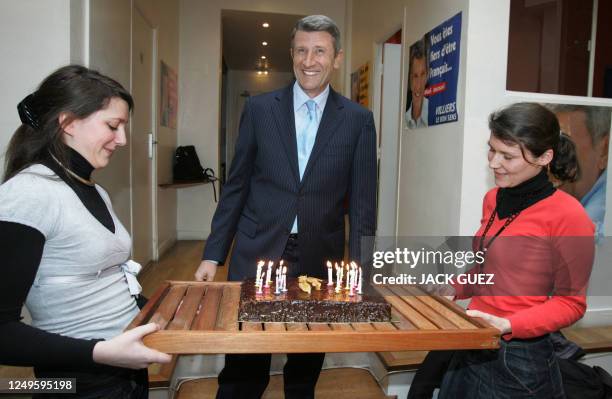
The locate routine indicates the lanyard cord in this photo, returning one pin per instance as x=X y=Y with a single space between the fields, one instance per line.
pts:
x=481 y=246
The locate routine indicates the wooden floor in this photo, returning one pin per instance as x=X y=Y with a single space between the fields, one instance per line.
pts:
x=179 y=263
x=345 y=383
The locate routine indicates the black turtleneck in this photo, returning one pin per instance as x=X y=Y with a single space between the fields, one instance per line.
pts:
x=21 y=344
x=512 y=200
x=88 y=195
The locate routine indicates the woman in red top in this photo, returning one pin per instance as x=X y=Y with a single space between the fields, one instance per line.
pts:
x=539 y=245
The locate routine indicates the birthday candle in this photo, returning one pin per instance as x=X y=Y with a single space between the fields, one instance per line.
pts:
x=348 y=279
x=330 y=275
x=360 y=283
x=352 y=279
x=284 y=278
x=260 y=264
x=269 y=274
x=278 y=281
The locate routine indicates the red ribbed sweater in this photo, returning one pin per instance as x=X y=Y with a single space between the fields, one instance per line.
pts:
x=528 y=273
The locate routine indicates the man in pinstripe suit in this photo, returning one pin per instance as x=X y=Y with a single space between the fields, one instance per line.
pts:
x=301 y=152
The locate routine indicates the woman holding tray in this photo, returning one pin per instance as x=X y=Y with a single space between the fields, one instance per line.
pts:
x=65 y=252
x=539 y=245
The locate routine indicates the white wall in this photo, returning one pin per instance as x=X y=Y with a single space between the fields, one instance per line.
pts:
x=200 y=85
x=35 y=40
x=430 y=168
x=430 y=163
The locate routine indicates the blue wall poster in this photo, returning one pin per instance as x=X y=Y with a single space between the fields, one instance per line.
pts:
x=433 y=73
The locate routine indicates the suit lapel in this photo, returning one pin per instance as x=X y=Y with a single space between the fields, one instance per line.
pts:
x=285 y=118
x=332 y=116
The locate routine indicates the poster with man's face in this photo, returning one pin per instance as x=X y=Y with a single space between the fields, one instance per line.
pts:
x=433 y=70
x=588 y=127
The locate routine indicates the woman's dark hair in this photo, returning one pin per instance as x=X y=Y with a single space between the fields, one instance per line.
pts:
x=74 y=90
x=535 y=128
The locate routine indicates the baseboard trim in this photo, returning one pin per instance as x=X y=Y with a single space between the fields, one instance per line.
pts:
x=165 y=246
x=192 y=235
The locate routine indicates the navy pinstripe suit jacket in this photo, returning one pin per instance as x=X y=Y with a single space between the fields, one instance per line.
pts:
x=263 y=192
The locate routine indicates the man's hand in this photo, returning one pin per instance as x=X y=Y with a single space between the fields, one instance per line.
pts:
x=500 y=323
x=206 y=271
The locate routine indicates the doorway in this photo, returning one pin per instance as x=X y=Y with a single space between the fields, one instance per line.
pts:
x=387 y=74
x=144 y=235
x=256 y=60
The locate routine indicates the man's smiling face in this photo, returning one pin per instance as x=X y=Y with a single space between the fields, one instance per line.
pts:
x=314 y=60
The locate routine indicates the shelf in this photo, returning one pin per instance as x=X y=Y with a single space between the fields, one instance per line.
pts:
x=185 y=183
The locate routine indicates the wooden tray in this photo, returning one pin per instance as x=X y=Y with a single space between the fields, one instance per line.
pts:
x=202 y=317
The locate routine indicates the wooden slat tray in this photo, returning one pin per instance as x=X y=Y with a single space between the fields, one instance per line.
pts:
x=202 y=317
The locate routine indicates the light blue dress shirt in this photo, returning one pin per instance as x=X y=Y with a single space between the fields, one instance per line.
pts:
x=303 y=127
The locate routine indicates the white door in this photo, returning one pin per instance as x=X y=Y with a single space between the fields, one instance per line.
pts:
x=389 y=139
x=142 y=139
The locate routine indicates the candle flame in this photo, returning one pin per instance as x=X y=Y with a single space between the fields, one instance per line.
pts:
x=270 y=263
x=329 y=264
x=261 y=263
x=281 y=263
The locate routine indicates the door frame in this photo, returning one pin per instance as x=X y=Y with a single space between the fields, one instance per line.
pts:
x=154 y=131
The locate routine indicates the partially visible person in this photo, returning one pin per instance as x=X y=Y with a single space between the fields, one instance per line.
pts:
x=539 y=244
x=64 y=251
x=589 y=128
x=418 y=111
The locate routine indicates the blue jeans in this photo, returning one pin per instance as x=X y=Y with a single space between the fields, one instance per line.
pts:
x=518 y=369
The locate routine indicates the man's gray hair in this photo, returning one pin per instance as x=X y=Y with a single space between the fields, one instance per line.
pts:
x=318 y=23
x=597 y=118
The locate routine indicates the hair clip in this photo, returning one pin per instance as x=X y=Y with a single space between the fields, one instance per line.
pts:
x=27 y=116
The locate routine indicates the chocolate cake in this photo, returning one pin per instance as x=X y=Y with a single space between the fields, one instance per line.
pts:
x=324 y=305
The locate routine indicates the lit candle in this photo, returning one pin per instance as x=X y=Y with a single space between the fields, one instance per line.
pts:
x=351 y=278
x=284 y=278
x=277 y=284
x=338 y=278
x=269 y=274
x=330 y=275
x=260 y=264
x=354 y=267
x=348 y=278
x=360 y=283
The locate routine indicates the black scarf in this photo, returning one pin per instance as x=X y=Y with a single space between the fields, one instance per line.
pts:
x=512 y=200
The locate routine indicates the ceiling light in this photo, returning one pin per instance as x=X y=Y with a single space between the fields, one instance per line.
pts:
x=265 y=25
x=263 y=57
x=266 y=72
x=264 y=43
x=259 y=72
